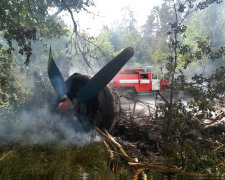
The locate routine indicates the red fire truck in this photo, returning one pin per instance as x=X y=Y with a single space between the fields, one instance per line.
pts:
x=138 y=81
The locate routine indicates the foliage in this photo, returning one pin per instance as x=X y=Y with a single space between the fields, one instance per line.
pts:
x=188 y=45
x=155 y=32
x=122 y=36
x=26 y=21
x=195 y=157
x=13 y=90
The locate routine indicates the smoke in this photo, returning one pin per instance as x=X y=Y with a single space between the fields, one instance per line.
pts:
x=40 y=126
x=28 y=116
x=204 y=68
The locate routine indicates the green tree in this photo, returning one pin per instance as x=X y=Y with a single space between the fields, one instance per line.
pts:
x=124 y=34
x=26 y=21
x=155 y=32
x=180 y=118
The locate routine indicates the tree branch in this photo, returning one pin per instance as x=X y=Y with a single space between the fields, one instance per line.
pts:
x=57 y=13
x=72 y=17
x=166 y=101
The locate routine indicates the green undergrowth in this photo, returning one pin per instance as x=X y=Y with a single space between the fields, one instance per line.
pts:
x=197 y=158
x=63 y=162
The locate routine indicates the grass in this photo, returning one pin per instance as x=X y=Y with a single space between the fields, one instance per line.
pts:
x=64 y=162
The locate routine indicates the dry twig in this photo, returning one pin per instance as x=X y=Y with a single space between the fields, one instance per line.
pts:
x=138 y=167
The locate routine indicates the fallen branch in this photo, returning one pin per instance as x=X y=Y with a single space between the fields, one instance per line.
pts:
x=138 y=167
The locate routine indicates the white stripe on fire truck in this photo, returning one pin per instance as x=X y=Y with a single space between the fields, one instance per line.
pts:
x=129 y=81
x=144 y=81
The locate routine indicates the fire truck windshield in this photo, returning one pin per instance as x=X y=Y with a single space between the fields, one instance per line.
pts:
x=144 y=76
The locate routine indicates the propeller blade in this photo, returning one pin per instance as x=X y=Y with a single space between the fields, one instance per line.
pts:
x=104 y=76
x=56 y=77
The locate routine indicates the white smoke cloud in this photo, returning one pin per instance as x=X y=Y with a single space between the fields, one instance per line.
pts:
x=40 y=126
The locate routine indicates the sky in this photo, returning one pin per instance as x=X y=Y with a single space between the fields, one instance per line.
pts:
x=107 y=12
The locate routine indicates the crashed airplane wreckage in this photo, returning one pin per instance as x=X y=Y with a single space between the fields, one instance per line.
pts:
x=89 y=98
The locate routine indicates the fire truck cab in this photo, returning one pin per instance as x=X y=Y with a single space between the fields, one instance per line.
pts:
x=139 y=80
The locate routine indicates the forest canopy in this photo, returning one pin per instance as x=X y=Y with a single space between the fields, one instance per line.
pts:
x=26 y=21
